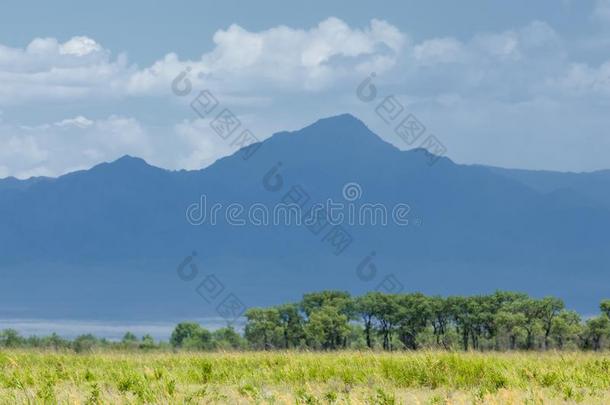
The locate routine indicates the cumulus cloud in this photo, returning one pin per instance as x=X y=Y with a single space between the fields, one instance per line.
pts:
x=329 y=56
x=438 y=50
x=200 y=146
x=52 y=149
x=70 y=144
x=79 y=46
x=47 y=70
x=528 y=70
x=582 y=80
x=505 y=64
x=282 y=58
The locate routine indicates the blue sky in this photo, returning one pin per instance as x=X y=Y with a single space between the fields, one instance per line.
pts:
x=515 y=84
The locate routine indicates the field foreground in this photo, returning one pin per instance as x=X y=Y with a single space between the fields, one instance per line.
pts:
x=307 y=378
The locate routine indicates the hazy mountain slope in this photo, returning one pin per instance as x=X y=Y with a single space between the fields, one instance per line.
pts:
x=593 y=187
x=106 y=242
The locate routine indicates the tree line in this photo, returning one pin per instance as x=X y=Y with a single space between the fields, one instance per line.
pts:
x=335 y=320
x=331 y=320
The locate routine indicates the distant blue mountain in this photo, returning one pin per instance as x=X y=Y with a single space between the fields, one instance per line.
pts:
x=592 y=187
x=107 y=242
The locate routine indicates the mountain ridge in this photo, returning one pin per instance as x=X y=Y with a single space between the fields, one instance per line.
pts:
x=106 y=241
x=344 y=119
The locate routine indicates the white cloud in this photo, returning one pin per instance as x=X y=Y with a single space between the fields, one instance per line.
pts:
x=439 y=50
x=47 y=70
x=503 y=46
x=509 y=65
x=52 y=149
x=70 y=144
x=282 y=58
x=79 y=46
x=201 y=146
x=80 y=122
x=493 y=74
x=330 y=56
x=581 y=79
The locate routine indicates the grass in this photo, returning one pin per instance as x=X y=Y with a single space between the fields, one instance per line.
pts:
x=28 y=376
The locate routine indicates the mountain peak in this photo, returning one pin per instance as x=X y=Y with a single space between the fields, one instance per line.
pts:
x=342 y=121
x=129 y=160
x=345 y=131
x=125 y=163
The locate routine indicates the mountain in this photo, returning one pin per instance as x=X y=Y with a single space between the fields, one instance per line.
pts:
x=593 y=187
x=112 y=241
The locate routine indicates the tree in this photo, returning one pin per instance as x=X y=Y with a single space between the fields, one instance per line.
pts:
x=548 y=309
x=463 y=311
x=512 y=323
x=291 y=323
x=492 y=305
x=440 y=316
x=129 y=338
x=566 y=326
x=262 y=326
x=595 y=330
x=55 y=341
x=531 y=310
x=147 y=342
x=338 y=299
x=191 y=335
x=412 y=317
x=228 y=338
x=10 y=338
x=365 y=307
x=355 y=337
x=85 y=343
x=327 y=328
x=183 y=331
x=201 y=340
x=328 y=314
x=386 y=313
x=482 y=318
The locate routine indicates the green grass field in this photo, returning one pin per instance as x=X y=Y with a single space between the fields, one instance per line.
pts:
x=309 y=378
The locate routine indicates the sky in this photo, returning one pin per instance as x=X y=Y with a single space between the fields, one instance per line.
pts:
x=517 y=84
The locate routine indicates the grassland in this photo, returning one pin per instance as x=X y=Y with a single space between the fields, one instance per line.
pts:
x=28 y=376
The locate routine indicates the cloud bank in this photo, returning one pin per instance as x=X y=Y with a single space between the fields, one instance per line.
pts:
x=472 y=90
